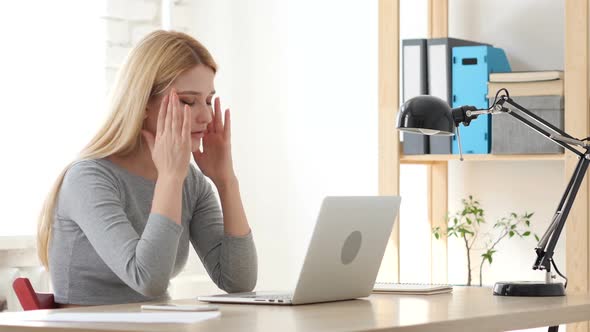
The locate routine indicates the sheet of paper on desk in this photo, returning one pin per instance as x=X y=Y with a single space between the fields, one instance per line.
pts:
x=113 y=317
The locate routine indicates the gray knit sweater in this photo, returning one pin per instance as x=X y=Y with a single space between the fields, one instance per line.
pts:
x=107 y=247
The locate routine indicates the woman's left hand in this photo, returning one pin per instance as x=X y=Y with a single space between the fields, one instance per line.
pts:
x=215 y=161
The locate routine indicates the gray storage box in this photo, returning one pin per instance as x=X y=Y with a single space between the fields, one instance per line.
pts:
x=440 y=144
x=510 y=136
x=415 y=144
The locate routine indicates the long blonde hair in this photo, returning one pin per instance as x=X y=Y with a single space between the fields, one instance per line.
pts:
x=149 y=69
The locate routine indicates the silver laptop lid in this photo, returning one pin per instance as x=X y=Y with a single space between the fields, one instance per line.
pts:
x=346 y=248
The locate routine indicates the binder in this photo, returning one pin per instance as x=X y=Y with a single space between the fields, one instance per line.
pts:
x=440 y=80
x=414 y=76
x=471 y=68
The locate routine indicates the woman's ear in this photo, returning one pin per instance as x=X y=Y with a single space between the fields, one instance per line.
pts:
x=146 y=112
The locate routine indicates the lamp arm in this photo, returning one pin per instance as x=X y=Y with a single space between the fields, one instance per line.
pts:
x=541 y=129
x=546 y=246
x=465 y=114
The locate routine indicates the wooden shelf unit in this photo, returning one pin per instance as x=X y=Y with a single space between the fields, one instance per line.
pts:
x=577 y=124
x=430 y=158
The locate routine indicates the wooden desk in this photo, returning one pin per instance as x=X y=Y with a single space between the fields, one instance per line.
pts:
x=466 y=309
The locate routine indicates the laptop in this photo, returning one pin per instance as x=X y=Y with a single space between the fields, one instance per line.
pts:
x=343 y=257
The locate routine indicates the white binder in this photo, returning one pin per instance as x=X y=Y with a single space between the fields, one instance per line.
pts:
x=414 y=83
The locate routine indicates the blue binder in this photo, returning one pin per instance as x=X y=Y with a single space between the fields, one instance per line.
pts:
x=440 y=80
x=471 y=68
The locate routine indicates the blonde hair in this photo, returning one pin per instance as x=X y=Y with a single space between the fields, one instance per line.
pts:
x=149 y=69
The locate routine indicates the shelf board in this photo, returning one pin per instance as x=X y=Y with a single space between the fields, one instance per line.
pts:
x=430 y=158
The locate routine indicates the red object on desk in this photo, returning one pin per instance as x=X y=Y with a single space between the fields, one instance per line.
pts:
x=29 y=299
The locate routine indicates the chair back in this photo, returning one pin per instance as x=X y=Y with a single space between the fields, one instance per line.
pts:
x=29 y=299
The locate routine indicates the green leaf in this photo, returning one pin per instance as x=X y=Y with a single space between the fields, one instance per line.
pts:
x=527 y=233
x=527 y=222
x=511 y=234
x=468 y=220
x=487 y=257
x=436 y=235
x=537 y=238
x=513 y=227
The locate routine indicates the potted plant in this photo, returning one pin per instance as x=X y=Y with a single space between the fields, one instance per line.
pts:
x=466 y=224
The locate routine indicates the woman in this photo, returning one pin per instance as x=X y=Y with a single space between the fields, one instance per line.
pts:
x=116 y=226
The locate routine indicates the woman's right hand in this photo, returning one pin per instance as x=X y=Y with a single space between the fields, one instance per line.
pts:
x=171 y=146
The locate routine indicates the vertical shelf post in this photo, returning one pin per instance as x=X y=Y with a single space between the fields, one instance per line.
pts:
x=577 y=74
x=438 y=206
x=388 y=137
x=438 y=18
x=438 y=189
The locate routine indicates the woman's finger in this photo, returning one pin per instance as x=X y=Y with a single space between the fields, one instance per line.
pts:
x=169 y=113
x=218 y=124
x=227 y=127
x=186 y=123
x=177 y=118
x=210 y=126
x=162 y=115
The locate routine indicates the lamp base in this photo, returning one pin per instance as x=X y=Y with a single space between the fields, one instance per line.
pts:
x=528 y=288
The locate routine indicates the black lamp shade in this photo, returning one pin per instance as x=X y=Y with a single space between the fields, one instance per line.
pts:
x=427 y=115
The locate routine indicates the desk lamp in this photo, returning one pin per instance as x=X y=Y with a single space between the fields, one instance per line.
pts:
x=429 y=115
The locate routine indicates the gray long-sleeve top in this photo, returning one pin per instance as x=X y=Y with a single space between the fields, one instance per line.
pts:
x=106 y=246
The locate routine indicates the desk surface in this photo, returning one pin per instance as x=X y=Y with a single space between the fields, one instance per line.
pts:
x=466 y=309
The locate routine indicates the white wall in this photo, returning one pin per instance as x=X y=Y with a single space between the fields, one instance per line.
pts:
x=301 y=80
x=530 y=31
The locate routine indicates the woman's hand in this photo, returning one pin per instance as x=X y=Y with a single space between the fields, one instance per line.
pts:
x=215 y=161
x=171 y=146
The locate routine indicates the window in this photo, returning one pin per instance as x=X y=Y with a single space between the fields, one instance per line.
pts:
x=52 y=65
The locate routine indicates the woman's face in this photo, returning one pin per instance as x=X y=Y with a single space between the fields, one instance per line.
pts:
x=195 y=89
